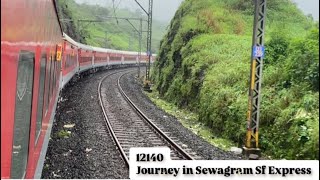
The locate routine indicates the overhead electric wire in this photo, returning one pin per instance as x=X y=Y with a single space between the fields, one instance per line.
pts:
x=118 y=4
x=114 y=9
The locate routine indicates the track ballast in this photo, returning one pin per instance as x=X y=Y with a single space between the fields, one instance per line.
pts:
x=128 y=124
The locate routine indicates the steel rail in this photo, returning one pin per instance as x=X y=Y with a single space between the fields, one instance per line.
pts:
x=158 y=130
x=108 y=122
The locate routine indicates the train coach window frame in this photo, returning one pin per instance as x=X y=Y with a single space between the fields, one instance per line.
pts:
x=41 y=98
x=48 y=68
x=68 y=61
x=51 y=78
x=65 y=61
x=54 y=85
x=23 y=114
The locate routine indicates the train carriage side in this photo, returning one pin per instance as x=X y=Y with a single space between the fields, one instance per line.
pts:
x=153 y=58
x=130 y=57
x=69 y=60
x=144 y=58
x=30 y=79
x=101 y=57
x=115 y=58
x=30 y=76
x=85 y=57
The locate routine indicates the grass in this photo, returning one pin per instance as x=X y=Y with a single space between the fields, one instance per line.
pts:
x=190 y=120
x=203 y=65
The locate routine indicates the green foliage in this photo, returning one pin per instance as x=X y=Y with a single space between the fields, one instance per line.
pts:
x=276 y=48
x=190 y=121
x=68 y=26
x=301 y=137
x=303 y=63
x=63 y=134
x=109 y=34
x=204 y=63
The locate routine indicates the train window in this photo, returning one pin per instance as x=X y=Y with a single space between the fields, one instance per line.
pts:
x=41 y=94
x=22 y=116
x=58 y=73
x=69 y=60
x=48 y=84
x=54 y=75
x=51 y=77
x=66 y=61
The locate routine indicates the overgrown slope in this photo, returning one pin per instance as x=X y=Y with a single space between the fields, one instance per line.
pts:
x=108 y=34
x=204 y=62
x=68 y=26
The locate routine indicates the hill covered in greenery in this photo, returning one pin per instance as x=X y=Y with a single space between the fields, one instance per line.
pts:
x=204 y=64
x=112 y=33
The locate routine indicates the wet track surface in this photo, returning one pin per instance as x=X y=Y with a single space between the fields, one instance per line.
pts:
x=88 y=150
x=169 y=124
x=129 y=127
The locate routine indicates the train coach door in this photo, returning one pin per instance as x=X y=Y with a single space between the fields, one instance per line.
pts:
x=22 y=117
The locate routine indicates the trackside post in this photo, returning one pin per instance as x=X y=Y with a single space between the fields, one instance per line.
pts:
x=253 y=113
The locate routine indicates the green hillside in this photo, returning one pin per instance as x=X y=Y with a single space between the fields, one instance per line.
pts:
x=204 y=65
x=109 y=34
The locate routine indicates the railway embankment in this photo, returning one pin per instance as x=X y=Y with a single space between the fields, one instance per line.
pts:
x=81 y=145
x=203 y=65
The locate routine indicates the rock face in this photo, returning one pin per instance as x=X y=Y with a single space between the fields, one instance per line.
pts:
x=68 y=27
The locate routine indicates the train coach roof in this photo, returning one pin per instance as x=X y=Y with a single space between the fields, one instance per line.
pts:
x=69 y=39
x=99 y=49
x=85 y=47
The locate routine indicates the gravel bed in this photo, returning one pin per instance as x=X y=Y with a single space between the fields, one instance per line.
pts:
x=89 y=151
x=168 y=123
x=130 y=129
x=85 y=149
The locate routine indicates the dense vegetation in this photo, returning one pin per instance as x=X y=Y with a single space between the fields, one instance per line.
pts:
x=204 y=62
x=115 y=34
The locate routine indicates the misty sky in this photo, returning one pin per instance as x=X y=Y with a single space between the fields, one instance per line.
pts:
x=164 y=9
x=309 y=7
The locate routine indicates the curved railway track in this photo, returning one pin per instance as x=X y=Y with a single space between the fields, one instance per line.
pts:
x=128 y=125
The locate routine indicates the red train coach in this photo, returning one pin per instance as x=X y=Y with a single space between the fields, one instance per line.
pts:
x=70 y=63
x=37 y=60
x=30 y=72
x=101 y=57
x=85 y=57
x=115 y=57
x=131 y=58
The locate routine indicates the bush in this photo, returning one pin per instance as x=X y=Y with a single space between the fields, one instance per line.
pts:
x=204 y=65
x=276 y=48
x=303 y=62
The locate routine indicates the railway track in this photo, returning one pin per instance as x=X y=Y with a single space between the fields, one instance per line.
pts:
x=128 y=125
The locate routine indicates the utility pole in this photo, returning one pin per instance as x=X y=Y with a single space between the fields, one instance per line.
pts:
x=253 y=114
x=146 y=83
x=140 y=47
x=140 y=31
x=149 y=53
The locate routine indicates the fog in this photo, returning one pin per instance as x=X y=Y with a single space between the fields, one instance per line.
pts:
x=309 y=7
x=163 y=10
